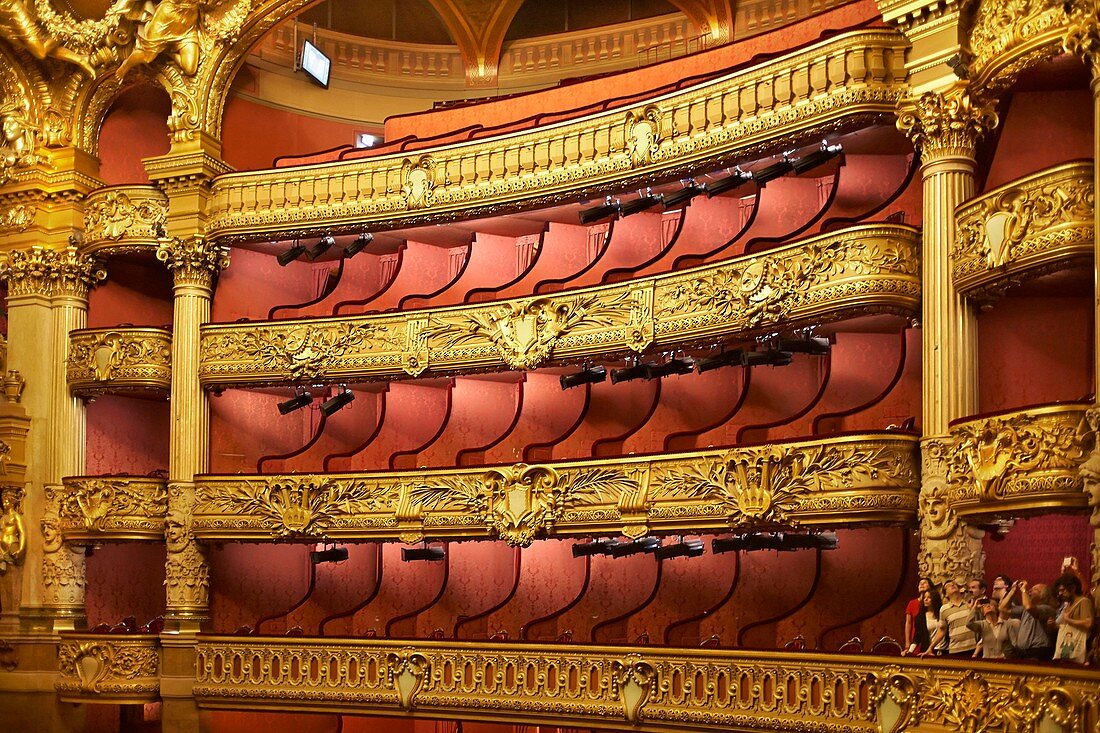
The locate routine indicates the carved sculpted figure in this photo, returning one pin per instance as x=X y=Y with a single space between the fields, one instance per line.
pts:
x=13 y=536
x=17 y=144
x=20 y=26
x=172 y=25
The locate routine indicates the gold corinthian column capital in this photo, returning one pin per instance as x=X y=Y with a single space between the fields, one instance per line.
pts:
x=946 y=124
x=51 y=272
x=194 y=261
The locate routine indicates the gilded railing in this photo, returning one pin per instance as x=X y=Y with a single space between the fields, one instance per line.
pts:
x=109 y=668
x=852 y=479
x=121 y=219
x=1020 y=461
x=124 y=359
x=113 y=507
x=1008 y=36
x=866 y=269
x=646 y=688
x=845 y=81
x=1024 y=229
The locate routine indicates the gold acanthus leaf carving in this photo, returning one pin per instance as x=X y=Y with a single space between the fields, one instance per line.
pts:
x=762 y=486
x=115 y=214
x=94 y=501
x=987 y=454
x=521 y=502
x=999 y=25
x=948 y=123
x=525 y=333
x=96 y=662
x=16 y=218
x=303 y=352
x=973 y=705
x=305 y=506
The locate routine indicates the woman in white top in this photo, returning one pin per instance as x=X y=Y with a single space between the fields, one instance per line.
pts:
x=998 y=632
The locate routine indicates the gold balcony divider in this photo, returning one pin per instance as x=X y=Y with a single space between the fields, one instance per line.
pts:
x=844 y=480
x=841 y=83
x=1030 y=227
x=644 y=688
x=113 y=508
x=866 y=269
x=124 y=219
x=1019 y=462
x=109 y=668
x=126 y=359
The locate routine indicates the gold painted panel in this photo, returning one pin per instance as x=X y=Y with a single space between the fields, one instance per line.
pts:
x=648 y=688
x=865 y=269
x=125 y=359
x=115 y=508
x=839 y=83
x=1019 y=462
x=121 y=219
x=826 y=482
x=109 y=668
x=1024 y=229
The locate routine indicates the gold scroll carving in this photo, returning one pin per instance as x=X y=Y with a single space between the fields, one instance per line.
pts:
x=838 y=83
x=117 y=508
x=122 y=219
x=102 y=668
x=1007 y=37
x=865 y=269
x=1018 y=462
x=849 y=480
x=110 y=360
x=1025 y=229
x=648 y=688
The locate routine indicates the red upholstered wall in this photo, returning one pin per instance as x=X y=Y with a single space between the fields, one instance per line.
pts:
x=253 y=134
x=136 y=127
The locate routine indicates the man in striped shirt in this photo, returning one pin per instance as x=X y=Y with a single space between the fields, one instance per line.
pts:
x=954 y=615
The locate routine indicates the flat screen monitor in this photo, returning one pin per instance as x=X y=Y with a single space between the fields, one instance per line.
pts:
x=316 y=64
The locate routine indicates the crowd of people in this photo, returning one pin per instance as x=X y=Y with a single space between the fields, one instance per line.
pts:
x=1015 y=620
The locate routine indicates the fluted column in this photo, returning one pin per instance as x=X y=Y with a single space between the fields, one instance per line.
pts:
x=945 y=127
x=194 y=263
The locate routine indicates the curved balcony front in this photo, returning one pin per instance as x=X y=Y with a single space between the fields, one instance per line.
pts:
x=866 y=269
x=127 y=359
x=124 y=219
x=1027 y=228
x=839 y=481
x=1004 y=39
x=641 y=688
x=108 y=668
x=113 y=508
x=837 y=84
x=1022 y=461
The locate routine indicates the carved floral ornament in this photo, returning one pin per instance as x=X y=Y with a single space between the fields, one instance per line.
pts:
x=773 y=486
x=819 y=280
x=121 y=214
x=944 y=124
x=119 y=359
x=106 y=667
x=120 y=507
x=41 y=271
x=1002 y=38
x=194 y=260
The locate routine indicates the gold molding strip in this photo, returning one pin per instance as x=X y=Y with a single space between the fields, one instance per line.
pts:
x=109 y=668
x=646 y=688
x=124 y=219
x=1029 y=227
x=124 y=359
x=866 y=269
x=1008 y=36
x=113 y=508
x=1022 y=461
x=843 y=82
x=848 y=480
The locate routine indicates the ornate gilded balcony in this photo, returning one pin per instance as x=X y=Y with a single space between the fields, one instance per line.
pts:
x=113 y=508
x=1027 y=228
x=645 y=688
x=124 y=219
x=1017 y=462
x=865 y=269
x=846 y=480
x=128 y=359
x=840 y=83
x=1008 y=36
x=109 y=668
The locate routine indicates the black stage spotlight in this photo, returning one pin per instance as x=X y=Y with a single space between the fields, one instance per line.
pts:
x=728 y=544
x=337 y=402
x=359 y=244
x=648 y=201
x=730 y=182
x=812 y=160
x=684 y=548
x=329 y=554
x=595 y=547
x=596 y=213
x=296 y=402
x=685 y=365
x=322 y=246
x=676 y=199
x=814 y=345
x=771 y=357
x=733 y=357
x=288 y=256
x=645 y=544
x=815 y=541
x=588 y=375
x=637 y=371
x=773 y=171
x=764 y=542
x=413 y=554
